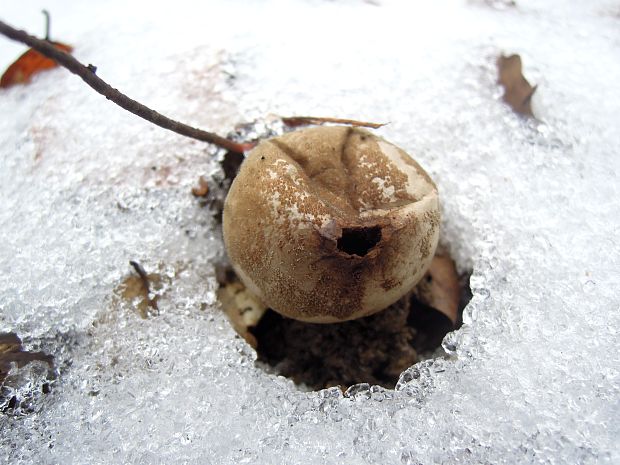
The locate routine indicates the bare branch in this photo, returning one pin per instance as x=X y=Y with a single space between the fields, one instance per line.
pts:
x=87 y=73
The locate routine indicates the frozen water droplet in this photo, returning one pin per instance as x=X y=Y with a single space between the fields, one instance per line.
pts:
x=449 y=342
x=358 y=391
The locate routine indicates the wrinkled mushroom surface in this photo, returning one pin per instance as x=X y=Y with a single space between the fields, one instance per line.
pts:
x=330 y=223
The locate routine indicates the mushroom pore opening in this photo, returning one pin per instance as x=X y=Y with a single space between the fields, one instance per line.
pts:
x=359 y=241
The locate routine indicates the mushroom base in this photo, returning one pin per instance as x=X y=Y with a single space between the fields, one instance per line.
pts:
x=375 y=349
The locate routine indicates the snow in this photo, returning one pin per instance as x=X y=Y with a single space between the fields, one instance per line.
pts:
x=531 y=207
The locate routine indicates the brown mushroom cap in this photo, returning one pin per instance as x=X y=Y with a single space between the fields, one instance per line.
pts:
x=330 y=223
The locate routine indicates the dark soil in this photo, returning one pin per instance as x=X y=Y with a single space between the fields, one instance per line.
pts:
x=374 y=350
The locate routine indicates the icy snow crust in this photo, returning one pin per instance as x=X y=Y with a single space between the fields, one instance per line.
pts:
x=531 y=207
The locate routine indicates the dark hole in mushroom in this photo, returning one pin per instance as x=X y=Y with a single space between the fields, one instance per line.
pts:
x=359 y=241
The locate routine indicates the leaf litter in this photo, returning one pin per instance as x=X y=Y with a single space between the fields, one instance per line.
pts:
x=12 y=352
x=518 y=91
x=31 y=62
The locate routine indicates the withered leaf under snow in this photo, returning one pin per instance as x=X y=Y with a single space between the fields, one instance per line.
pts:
x=12 y=351
x=136 y=288
x=517 y=91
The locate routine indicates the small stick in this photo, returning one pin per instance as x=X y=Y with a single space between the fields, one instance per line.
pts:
x=141 y=272
x=47 y=24
x=145 y=283
x=89 y=77
x=294 y=121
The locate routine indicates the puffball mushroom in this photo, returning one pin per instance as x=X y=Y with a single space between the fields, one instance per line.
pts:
x=330 y=224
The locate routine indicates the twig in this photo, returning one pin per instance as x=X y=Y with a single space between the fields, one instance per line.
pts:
x=294 y=121
x=146 y=283
x=89 y=77
x=141 y=272
x=47 y=24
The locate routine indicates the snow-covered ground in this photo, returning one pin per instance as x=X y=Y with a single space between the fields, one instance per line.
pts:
x=532 y=207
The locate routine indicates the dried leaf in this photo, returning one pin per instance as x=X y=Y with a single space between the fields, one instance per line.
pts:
x=440 y=287
x=295 y=121
x=242 y=308
x=12 y=351
x=517 y=91
x=435 y=303
x=137 y=288
x=28 y=64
